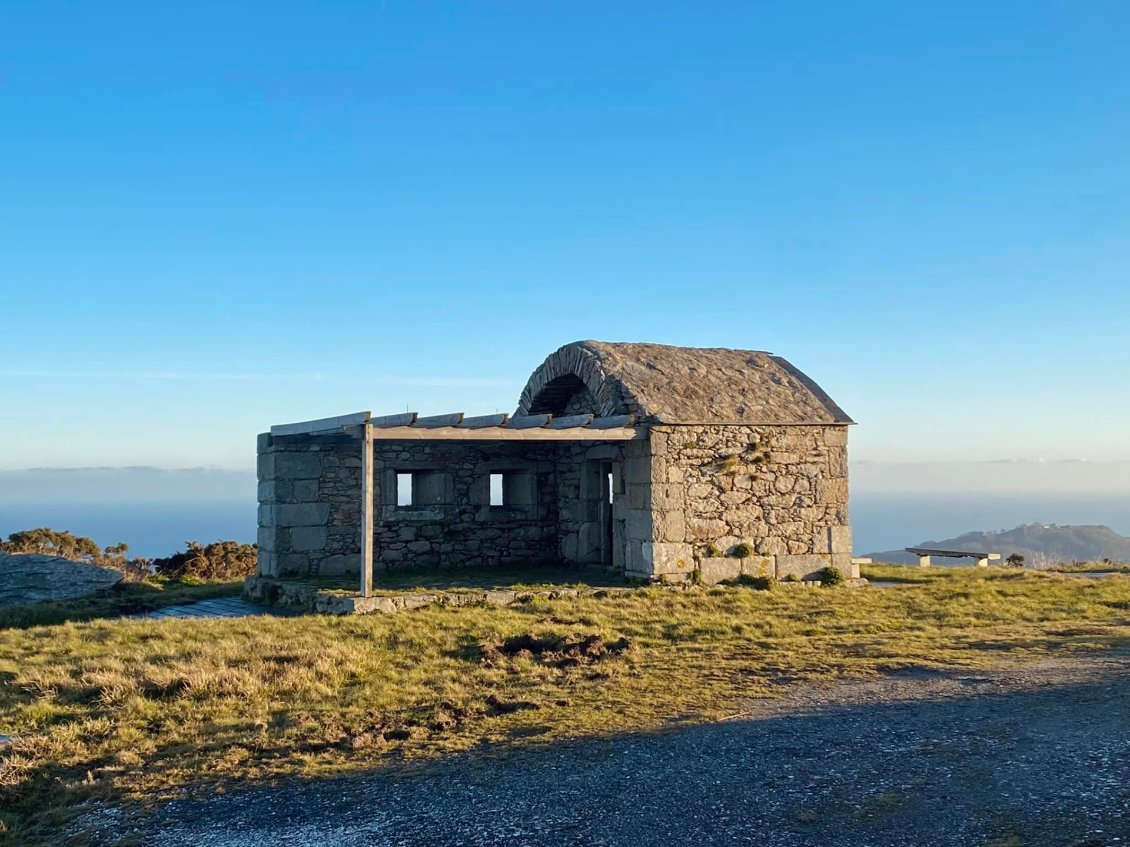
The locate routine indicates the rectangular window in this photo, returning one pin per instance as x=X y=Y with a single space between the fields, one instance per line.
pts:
x=513 y=488
x=422 y=488
x=404 y=489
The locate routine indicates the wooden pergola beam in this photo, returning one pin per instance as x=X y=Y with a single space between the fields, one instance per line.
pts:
x=367 y=508
x=458 y=433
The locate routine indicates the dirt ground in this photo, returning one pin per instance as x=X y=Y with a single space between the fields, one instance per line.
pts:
x=1032 y=755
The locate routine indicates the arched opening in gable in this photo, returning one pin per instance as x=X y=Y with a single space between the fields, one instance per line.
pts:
x=566 y=395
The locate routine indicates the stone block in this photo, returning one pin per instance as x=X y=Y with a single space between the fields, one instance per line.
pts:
x=297 y=466
x=840 y=539
x=306 y=491
x=821 y=542
x=569 y=547
x=589 y=541
x=638 y=496
x=843 y=563
x=701 y=491
x=667 y=496
x=266 y=492
x=803 y=566
x=832 y=490
x=836 y=436
x=670 y=526
x=759 y=566
x=718 y=569
x=771 y=546
x=342 y=563
x=262 y=442
x=292 y=564
x=637 y=471
x=838 y=463
x=307 y=539
x=637 y=523
x=705 y=529
x=667 y=558
x=268 y=563
x=266 y=514
x=301 y=514
x=265 y=466
x=265 y=538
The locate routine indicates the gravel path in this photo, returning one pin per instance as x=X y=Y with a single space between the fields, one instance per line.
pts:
x=1033 y=756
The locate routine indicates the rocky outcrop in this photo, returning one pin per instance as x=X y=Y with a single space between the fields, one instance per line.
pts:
x=31 y=577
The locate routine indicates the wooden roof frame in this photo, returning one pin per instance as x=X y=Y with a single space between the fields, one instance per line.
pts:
x=410 y=426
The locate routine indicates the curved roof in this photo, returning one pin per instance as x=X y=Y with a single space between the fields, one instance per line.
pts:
x=678 y=385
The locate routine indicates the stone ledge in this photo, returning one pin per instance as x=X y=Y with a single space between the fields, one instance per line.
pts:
x=294 y=594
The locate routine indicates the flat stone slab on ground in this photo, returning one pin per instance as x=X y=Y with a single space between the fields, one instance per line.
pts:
x=220 y=607
x=33 y=578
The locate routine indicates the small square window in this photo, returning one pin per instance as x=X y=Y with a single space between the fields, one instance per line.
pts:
x=422 y=488
x=513 y=488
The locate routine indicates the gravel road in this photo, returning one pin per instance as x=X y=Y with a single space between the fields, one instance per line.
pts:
x=1038 y=755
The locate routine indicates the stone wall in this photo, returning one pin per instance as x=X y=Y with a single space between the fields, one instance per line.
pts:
x=309 y=505
x=458 y=527
x=782 y=489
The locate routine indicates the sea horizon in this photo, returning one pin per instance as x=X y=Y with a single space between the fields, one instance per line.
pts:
x=880 y=520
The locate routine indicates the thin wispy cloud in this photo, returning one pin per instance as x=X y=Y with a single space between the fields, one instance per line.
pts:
x=239 y=376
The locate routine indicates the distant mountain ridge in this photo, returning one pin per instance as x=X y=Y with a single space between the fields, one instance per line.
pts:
x=1039 y=544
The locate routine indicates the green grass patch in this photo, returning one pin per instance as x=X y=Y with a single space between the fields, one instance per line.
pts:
x=909 y=574
x=1092 y=567
x=137 y=710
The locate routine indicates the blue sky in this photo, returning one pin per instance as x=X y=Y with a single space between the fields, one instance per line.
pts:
x=223 y=216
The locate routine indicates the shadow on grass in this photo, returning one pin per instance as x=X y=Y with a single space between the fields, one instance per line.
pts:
x=972 y=768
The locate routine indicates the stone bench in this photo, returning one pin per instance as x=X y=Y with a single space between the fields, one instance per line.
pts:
x=925 y=555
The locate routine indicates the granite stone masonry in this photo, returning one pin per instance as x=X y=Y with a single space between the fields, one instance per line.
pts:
x=664 y=463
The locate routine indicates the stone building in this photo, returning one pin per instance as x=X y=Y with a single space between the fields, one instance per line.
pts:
x=652 y=460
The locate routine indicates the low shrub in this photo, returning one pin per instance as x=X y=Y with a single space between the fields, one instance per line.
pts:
x=830 y=576
x=761 y=583
x=742 y=551
x=222 y=560
x=712 y=552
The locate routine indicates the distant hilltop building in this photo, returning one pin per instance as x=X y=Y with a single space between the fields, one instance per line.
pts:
x=664 y=463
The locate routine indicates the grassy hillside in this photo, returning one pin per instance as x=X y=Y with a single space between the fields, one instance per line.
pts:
x=133 y=710
x=1039 y=544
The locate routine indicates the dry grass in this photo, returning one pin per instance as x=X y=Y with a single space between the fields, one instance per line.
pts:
x=469 y=579
x=126 y=598
x=137 y=709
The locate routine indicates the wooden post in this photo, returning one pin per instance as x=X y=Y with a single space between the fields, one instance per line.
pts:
x=366 y=510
